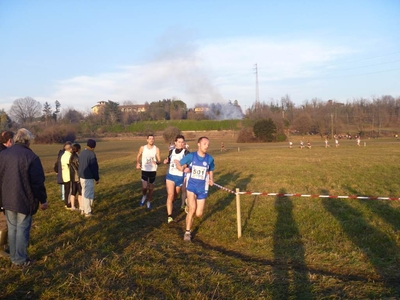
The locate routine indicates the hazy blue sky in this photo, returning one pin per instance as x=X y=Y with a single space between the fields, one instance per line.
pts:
x=82 y=52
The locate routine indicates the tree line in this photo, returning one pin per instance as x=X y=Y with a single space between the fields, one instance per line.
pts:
x=325 y=118
x=328 y=118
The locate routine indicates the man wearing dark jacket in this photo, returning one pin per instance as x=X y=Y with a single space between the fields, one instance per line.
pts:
x=88 y=174
x=6 y=141
x=21 y=190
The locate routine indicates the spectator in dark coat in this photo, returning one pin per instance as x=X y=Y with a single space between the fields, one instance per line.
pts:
x=88 y=174
x=6 y=140
x=75 y=182
x=21 y=189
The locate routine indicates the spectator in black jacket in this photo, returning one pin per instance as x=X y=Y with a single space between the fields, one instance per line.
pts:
x=75 y=183
x=6 y=140
x=21 y=190
x=88 y=174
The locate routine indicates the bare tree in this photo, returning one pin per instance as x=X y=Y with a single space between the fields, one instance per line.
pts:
x=302 y=123
x=25 y=109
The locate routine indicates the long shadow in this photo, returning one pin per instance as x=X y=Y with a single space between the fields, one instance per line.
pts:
x=282 y=265
x=224 y=201
x=123 y=223
x=249 y=212
x=378 y=247
x=381 y=208
x=289 y=249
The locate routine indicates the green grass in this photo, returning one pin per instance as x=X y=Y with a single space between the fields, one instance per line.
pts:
x=291 y=247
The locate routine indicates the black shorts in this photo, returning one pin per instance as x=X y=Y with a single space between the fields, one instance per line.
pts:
x=149 y=176
x=76 y=188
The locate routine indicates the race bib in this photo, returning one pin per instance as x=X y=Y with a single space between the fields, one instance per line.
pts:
x=199 y=172
x=149 y=160
x=173 y=169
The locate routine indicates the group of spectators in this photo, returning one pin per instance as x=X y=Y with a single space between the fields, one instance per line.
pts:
x=22 y=188
x=77 y=173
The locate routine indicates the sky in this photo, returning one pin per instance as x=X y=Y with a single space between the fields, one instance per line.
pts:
x=82 y=52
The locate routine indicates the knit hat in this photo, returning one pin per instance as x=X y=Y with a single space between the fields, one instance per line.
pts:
x=91 y=143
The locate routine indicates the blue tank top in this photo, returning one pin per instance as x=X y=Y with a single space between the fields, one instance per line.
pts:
x=200 y=167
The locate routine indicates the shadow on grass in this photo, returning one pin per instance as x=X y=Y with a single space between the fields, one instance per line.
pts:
x=249 y=213
x=75 y=244
x=381 y=208
x=379 y=248
x=289 y=249
x=281 y=266
x=226 y=199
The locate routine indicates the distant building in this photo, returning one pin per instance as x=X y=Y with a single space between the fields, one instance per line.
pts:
x=332 y=102
x=98 y=106
x=137 y=108
x=199 y=110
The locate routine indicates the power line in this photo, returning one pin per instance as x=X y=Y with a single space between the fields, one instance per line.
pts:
x=350 y=61
x=373 y=57
x=384 y=63
x=352 y=75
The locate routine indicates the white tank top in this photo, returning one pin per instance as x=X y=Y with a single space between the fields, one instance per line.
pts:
x=172 y=167
x=148 y=158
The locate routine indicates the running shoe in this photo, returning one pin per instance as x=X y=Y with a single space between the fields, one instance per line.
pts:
x=148 y=205
x=143 y=200
x=187 y=236
x=170 y=219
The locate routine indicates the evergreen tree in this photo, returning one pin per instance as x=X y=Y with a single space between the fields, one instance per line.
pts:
x=265 y=130
x=57 y=110
x=5 y=121
x=112 y=113
x=47 y=112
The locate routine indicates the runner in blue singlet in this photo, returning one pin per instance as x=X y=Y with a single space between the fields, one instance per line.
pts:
x=200 y=167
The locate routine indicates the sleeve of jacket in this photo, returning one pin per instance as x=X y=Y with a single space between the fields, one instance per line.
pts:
x=94 y=168
x=36 y=175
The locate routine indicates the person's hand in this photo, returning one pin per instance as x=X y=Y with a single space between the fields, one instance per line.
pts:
x=97 y=182
x=211 y=182
x=166 y=161
x=44 y=206
x=138 y=166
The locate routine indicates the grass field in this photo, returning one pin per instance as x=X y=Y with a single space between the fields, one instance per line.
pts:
x=291 y=247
